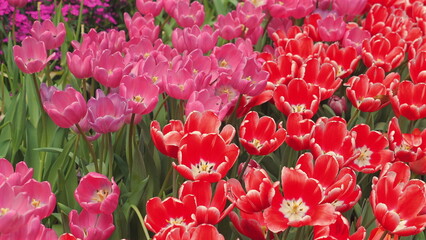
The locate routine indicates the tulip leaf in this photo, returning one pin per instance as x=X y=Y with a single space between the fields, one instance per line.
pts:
x=60 y=161
x=18 y=123
x=220 y=6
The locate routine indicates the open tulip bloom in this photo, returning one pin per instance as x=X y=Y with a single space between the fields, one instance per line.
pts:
x=213 y=120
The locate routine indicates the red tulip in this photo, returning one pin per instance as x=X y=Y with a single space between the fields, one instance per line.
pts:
x=297 y=97
x=205 y=157
x=397 y=201
x=301 y=204
x=251 y=225
x=258 y=194
x=298 y=131
x=259 y=136
x=338 y=231
x=409 y=100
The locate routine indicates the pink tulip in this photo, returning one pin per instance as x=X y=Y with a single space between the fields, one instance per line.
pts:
x=80 y=63
x=249 y=15
x=32 y=229
x=332 y=28
x=250 y=80
x=96 y=194
x=17 y=177
x=193 y=38
x=206 y=100
x=291 y=8
x=107 y=113
x=142 y=26
x=229 y=26
x=354 y=37
x=338 y=104
x=42 y=200
x=141 y=94
x=108 y=68
x=149 y=7
x=180 y=84
x=188 y=15
x=52 y=36
x=32 y=56
x=170 y=6
x=349 y=8
x=228 y=63
x=14 y=209
x=89 y=226
x=65 y=108
x=153 y=67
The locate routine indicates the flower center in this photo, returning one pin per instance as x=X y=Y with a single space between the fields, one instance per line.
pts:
x=176 y=221
x=154 y=79
x=364 y=156
x=300 y=108
x=35 y=203
x=257 y=143
x=138 y=99
x=223 y=63
x=202 y=167
x=3 y=211
x=100 y=195
x=294 y=210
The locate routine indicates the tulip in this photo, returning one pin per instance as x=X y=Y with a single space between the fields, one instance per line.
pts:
x=17 y=3
x=298 y=131
x=409 y=100
x=107 y=113
x=96 y=194
x=108 y=69
x=141 y=26
x=52 y=36
x=229 y=26
x=65 y=108
x=331 y=28
x=259 y=136
x=338 y=230
x=32 y=229
x=189 y=14
x=89 y=226
x=32 y=56
x=149 y=7
x=192 y=38
x=80 y=63
x=141 y=94
x=18 y=177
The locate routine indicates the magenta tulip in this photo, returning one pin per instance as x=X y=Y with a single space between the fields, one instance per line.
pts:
x=32 y=56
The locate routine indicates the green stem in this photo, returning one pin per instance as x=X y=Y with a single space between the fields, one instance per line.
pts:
x=47 y=72
x=285 y=234
x=110 y=154
x=44 y=126
x=353 y=117
x=174 y=183
x=79 y=27
x=299 y=231
x=162 y=104
x=369 y=223
x=90 y=146
x=163 y=186
x=131 y=142
x=37 y=89
x=142 y=222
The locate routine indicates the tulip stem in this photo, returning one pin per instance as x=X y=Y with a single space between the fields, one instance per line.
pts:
x=174 y=183
x=110 y=154
x=37 y=89
x=80 y=15
x=163 y=186
x=90 y=146
x=131 y=138
x=142 y=222
x=245 y=167
x=353 y=118
x=285 y=234
x=43 y=122
x=162 y=104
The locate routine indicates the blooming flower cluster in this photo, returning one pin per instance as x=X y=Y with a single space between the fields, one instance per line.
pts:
x=309 y=168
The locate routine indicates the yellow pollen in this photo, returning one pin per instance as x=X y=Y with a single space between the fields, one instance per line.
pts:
x=154 y=79
x=138 y=99
x=146 y=55
x=4 y=211
x=202 y=167
x=300 y=108
x=109 y=72
x=223 y=63
x=181 y=87
x=176 y=221
x=257 y=143
x=195 y=71
x=100 y=195
x=248 y=78
x=294 y=210
x=364 y=156
x=35 y=203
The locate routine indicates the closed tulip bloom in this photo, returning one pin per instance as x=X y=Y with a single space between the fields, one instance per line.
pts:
x=65 y=108
x=189 y=14
x=409 y=100
x=80 y=63
x=331 y=28
x=89 y=226
x=107 y=113
x=97 y=194
x=52 y=36
x=149 y=7
x=260 y=136
x=32 y=56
